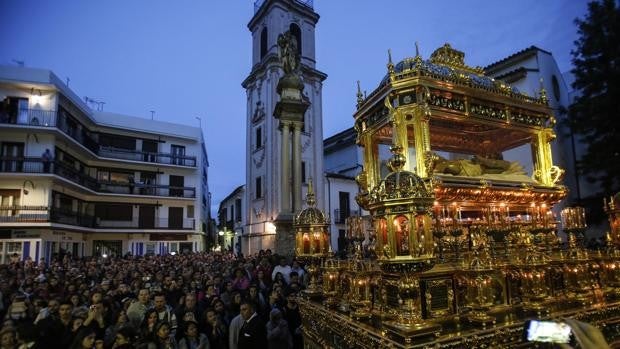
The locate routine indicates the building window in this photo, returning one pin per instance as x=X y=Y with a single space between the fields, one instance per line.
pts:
x=555 y=85
x=263 y=42
x=259 y=137
x=178 y=154
x=232 y=212
x=177 y=185
x=238 y=210
x=296 y=31
x=259 y=187
x=190 y=211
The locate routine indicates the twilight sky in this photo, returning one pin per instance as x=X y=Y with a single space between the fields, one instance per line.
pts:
x=187 y=58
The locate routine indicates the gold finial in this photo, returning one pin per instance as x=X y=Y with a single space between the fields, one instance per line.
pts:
x=360 y=97
x=310 y=195
x=543 y=93
x=390 y=65
x=417 y=49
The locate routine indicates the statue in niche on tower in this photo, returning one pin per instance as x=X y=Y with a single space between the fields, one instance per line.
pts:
x=289 y=53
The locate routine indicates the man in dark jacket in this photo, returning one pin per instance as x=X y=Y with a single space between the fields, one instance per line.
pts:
x=253 y=333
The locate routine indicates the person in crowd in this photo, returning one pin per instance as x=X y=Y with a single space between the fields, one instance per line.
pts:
x=301 y=273
x=192 y=339
x=55 y=331
x=111 y=331
x=85 y=339
x=164 y=312
x=241 y=281
x=283 y=269
x=147 y=328
x=7 y=338
x=278 y=334
x=233 y=331
x=189 y=309
x=253 y=333
x=263 y=281
x=163 y=337
x=216 y=330
x=125 y=338
x=137 y=309
x=293 y=318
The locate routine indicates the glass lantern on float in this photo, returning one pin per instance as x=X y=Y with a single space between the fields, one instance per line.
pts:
x=401 y=206
x=312 y=240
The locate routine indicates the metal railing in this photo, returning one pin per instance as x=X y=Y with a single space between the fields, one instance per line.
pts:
x=30 y=117
x=340 y=216
x=51 y=118
x=64 y=216
x=157 y=223
x=37 y=165
x=137 y=155
x=70 y=217
x=17 y=213
x=147 y=189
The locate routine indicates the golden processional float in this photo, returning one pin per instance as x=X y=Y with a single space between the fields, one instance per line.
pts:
x=464 y=245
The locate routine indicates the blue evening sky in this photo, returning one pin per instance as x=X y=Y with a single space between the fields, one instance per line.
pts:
x=187 y=58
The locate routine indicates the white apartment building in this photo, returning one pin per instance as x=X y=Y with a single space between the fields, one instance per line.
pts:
x=112 y=184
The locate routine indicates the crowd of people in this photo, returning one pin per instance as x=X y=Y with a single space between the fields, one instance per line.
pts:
x=189 y=301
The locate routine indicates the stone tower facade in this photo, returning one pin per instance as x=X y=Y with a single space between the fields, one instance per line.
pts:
x=263 y=135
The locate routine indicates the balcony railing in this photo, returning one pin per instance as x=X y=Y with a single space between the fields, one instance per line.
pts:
x=37 y=165
x=157 y=223
x=30 y=214
x=50 y=118
x=340 y=216
x=64 y=216
x=136 y=155
x=70 y=217
x=147 y=189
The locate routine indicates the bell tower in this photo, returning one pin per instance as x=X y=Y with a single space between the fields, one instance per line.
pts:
x=268 y=192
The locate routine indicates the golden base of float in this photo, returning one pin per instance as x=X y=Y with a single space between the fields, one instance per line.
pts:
x=480 y=317
x=406 y=332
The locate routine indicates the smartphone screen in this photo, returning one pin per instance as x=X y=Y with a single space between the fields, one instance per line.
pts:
x=547 y=331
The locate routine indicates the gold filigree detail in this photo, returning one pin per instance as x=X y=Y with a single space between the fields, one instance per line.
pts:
x=452 y=58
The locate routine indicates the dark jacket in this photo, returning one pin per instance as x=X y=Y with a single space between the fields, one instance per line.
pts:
x=253 y=334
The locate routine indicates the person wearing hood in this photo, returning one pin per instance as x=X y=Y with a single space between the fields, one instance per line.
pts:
x=278 y=334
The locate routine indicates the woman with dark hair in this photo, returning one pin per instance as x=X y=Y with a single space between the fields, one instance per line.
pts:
x=240 y=281
x=191 y=338
x=263 y=281
x=162 y=338
x=85 y=339
x=110 y=332
x=147 y=328
x=216 y=330
x=125 y=337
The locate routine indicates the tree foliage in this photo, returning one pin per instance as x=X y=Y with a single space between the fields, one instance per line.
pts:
x=595 y=114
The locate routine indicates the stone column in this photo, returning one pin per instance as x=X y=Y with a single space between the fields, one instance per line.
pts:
x=285 y=174
x=297 y=167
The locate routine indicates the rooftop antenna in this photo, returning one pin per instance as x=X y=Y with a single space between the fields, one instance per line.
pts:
x=19 y=63
x=68 y=81
x=199 y=121
x=152 y=114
